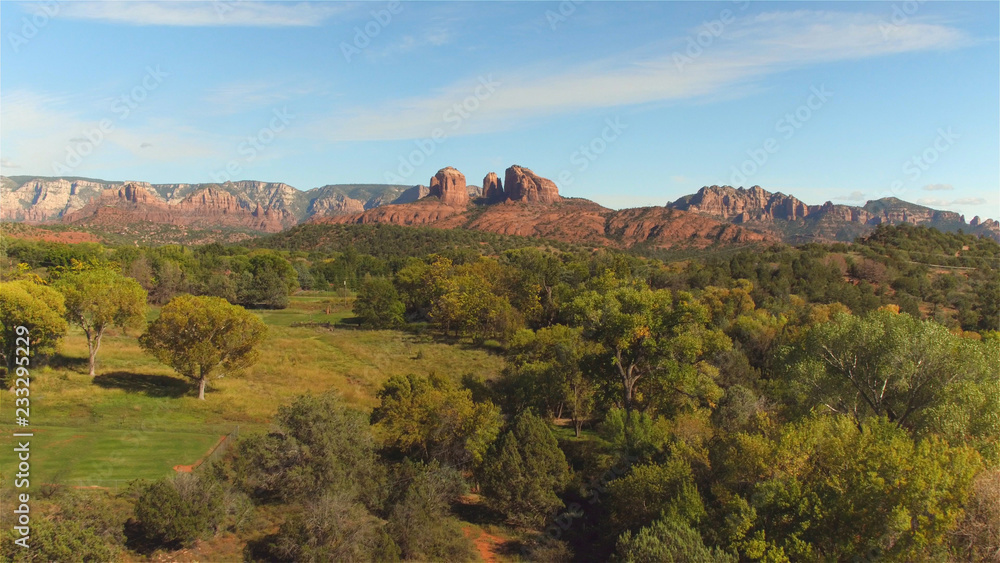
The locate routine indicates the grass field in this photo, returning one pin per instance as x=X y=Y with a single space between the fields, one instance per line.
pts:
x=138 y=419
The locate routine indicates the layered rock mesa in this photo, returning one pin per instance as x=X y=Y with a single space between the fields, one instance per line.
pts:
x=764 y=210
x=207 y=208
x=449 y=186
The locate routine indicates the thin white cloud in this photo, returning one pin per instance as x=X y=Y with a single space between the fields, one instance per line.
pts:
x=243 y=96
x=853 y=196
x=969 y=201
x=38 y=135
x=938 y=187
x=235 y=13
x=937 y=202
x=749 y=50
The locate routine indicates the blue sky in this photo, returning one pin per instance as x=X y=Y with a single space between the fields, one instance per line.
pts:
x=624 y=103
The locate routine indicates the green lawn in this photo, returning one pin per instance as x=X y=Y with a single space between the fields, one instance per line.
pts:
x=137 y=419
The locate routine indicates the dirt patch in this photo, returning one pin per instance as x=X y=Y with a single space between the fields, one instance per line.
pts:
x=487 y=545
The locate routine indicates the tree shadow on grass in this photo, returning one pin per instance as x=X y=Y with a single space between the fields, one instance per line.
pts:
x=72 y=363
x=147 y=384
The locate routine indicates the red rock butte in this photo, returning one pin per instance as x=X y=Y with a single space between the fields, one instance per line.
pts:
x=524 y=185
x=449 y=186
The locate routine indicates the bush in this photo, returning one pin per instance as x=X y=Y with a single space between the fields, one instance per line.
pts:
x=175 y=513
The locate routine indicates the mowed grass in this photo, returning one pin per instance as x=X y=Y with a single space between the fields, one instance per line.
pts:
x=138 y=419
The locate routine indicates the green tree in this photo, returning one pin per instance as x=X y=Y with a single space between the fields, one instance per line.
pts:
x=668 y=541
x=432 y=419
x=37 y=308
x=420 y=519
x=87 y=527
x=99 y=298
x=545 y=372
x=201 y=336
x=175 y=513
x=319 y=445
x=653 y=337
x=329 y=527
x=827 y=489
x=524 y=471
x=378 y=304
x=268 y=281
x=654 y=491
x=889 y=364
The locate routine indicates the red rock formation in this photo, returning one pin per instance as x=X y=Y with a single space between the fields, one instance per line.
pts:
x=571 y=220
x=524 y=185
x=449 y=185
x=336 y=205
x=208 y=208
x=493 y=188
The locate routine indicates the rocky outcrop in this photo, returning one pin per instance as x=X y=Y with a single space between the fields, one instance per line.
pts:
x=521 y=184
x=41 y=199
x=208 y=208
x=338 y=204
x=449 y=186
x=576 y=221
x=268 y=206
x=797 y=222
x=493 y=188
x=412 y=194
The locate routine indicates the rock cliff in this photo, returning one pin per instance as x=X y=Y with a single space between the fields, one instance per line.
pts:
x=521 y=184
x=449 y=186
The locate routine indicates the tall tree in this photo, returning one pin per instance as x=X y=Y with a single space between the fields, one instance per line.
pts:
x=524 y=471
x=202 y=336
x=887 y=364
x=99 y=298
x=37 y=308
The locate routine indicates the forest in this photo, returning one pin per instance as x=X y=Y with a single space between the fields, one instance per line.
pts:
x=823 y=402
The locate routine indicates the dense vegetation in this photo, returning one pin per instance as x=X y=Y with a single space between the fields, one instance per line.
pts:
x=815 y=403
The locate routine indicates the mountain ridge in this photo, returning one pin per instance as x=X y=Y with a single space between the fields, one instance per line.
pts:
x=523 y=203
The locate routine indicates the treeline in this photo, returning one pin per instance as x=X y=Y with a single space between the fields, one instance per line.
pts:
x=780 y=404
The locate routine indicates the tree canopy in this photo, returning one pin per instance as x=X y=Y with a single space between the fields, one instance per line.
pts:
x=204 y=338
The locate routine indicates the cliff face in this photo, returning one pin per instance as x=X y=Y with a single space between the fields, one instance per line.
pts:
x=493 y=188
x=207 y=208
x=531 y=206
x=449 y=186
x=784 y=214
x=524 y=185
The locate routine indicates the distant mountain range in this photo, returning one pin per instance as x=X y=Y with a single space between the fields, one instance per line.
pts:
x=521 y=203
